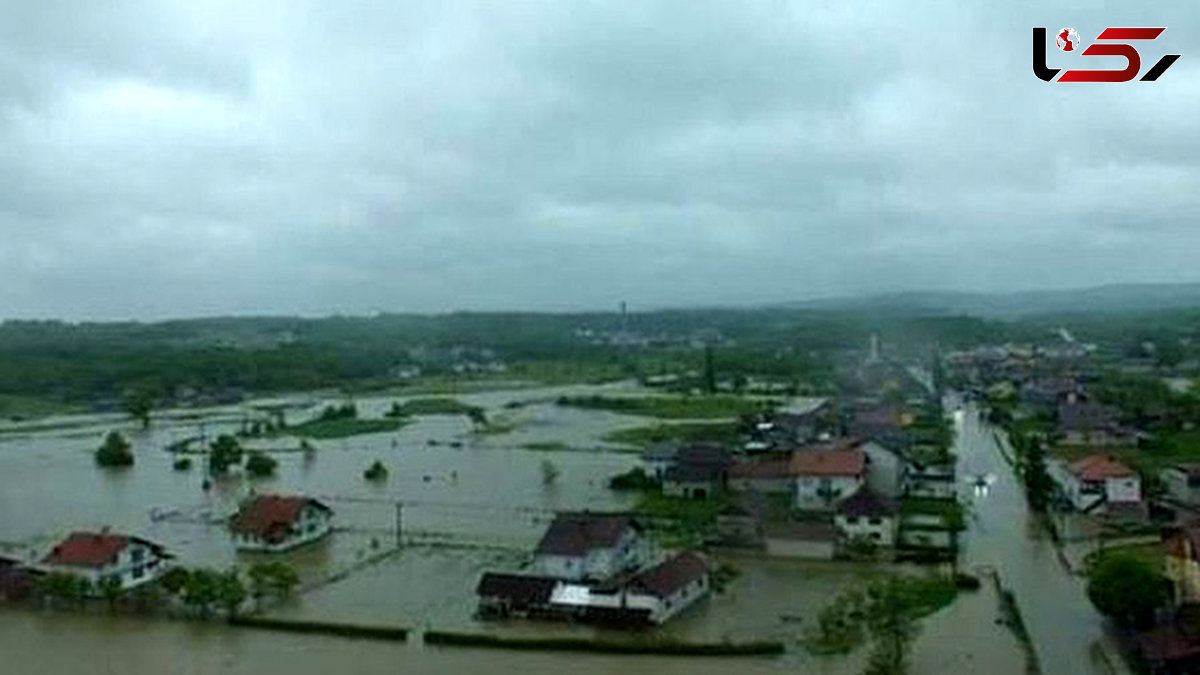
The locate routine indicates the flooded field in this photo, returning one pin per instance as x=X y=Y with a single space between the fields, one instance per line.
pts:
x=470 y=502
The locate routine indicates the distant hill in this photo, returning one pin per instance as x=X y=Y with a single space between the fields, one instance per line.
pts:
x=1113 y=298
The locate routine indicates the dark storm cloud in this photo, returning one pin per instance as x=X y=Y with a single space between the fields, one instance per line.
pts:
x=319 y=157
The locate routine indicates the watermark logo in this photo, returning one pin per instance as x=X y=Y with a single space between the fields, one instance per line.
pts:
x=1105 y=44
x=1068 y=40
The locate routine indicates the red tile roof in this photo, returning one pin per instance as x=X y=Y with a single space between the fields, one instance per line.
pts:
x=1099 y=467
x=770 y=468
x=270 y=516
x=87 y=549
x=574 y=534
x=667 y=577
x=850 y=462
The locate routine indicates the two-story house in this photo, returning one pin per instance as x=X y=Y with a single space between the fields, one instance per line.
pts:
x=591 y=546
x=101 y=556
x=825 y=477
x=1098 y=481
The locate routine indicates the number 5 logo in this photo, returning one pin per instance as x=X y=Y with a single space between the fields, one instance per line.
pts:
x=1133 y=60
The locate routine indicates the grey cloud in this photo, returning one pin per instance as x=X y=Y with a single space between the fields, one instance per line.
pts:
x=314 y=157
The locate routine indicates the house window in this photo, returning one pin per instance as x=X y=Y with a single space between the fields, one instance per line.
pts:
x=137 y=553
x=875 y=521
x=852 y=520
x=137 y=572
x=875 y=536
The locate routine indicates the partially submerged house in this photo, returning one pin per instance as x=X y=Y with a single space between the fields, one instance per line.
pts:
x=651 y=596
x=102 y=556
x=1098 y=483
x=591 y=546
x=16 y=579
x=867 y=519
x=514 y=595
x=699 y=471
x=274 y=523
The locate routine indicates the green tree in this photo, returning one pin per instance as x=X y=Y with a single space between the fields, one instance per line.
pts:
x=1126 y=589
x=549 y=472
x=201 y=591
x=376 y=472
x=224 y=453
x=69 y=588
x=893 y=627
x=710 y=374
x=114 y=451
x=1039 y=487
x=138 y=403
x=272 y=578
x=110 y=588
x=231 y=592
x=477 y=416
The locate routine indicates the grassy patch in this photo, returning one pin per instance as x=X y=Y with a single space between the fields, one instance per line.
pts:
x=1151 y=554
x=647 y=436
x=342 y=428
x=680 y=521
x=949 y=510
x=431 y=405
x=672 y=407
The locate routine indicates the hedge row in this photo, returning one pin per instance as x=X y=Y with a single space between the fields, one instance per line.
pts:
x=447 y=638
x=336 y=629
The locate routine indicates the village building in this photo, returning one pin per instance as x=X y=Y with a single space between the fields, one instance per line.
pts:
x=1098 y=482
x=886 y=469
x=102 y=556
x=825 y=477
x=1182 y=483
x=591 y=546
x=1084 y=423
x=867 y=519
x=17 y=581
x=274 y=523
x=931 y=481
x=514 y=595
x=699 y=471
x=764 y=476
x=1181 y=554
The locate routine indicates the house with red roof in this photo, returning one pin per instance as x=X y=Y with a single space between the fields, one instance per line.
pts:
x=1098 y=482
x=99 y=556
x=825 y=477
x=583 y=545
x=273 y=523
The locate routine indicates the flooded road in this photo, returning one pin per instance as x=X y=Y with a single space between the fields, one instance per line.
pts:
x=1002 y=534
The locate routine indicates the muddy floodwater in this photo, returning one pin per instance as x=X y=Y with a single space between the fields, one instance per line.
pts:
x=467 y=502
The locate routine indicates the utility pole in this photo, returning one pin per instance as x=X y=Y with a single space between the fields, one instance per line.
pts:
x=399 y=523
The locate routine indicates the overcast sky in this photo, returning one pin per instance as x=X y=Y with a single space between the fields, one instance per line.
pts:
x=291 y=157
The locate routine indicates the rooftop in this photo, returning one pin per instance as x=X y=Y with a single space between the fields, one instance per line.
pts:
x=669 y=576
x=1099 y=467
x=576 y=533
x=271 y=515
x=847 y=462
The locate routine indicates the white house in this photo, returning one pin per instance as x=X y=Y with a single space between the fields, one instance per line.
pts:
x=1098 y=481
x=97 y=556
x=867 y=517
x=825 y=477
x=273 y=523
x=591 y=546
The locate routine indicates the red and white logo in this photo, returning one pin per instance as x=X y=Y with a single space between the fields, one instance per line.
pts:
x=1068 y=40
x=1105 y=44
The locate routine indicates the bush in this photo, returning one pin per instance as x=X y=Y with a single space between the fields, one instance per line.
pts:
x=376 y=472
x=1127 y=589
x=634 y=479
x=224 y=453
x=115 y=451
x=182 y=464
x=261 y=465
